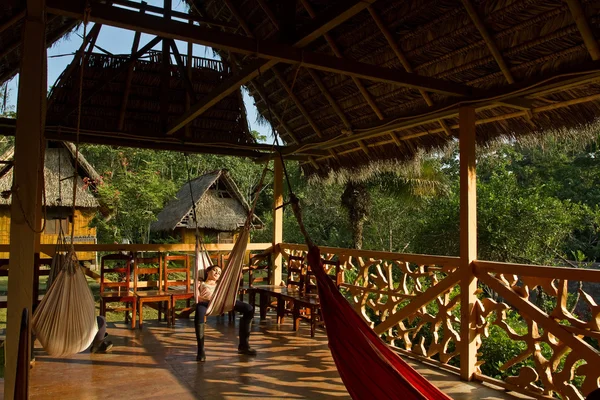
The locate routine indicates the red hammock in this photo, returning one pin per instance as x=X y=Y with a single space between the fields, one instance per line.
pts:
x=367 y=366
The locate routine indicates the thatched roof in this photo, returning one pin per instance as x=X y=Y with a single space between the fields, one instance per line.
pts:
x=350 y=84
x=219 y=205
x=108 y=85
x=454 y=41
x=59 y=169
x=12 y=16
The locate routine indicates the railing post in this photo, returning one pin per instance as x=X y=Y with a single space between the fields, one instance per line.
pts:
x=26 y=191
x=277 y=222
x=468 y=242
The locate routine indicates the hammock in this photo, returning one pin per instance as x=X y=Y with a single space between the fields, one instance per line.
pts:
x=65 y=321
x=226 y=291
x=367 y=366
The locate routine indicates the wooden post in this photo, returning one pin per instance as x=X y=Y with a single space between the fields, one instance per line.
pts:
x=277 y=222
x=26 y=195
x=468 y=241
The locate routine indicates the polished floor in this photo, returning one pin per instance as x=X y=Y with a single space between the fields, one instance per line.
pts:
x=159 y=363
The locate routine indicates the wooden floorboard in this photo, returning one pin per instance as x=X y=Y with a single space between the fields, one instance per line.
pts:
x=159 y=362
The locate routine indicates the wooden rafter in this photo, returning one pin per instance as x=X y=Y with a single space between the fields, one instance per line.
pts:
x=89 y=40
x=115 y=74
x=16 y=18
x=251 y=70
x=584 y=28
x=403 y=60
x=182 y=70
x=489 y=40
x=125 y=99
x=544 y=84
x=176 y=14
x=273 y=51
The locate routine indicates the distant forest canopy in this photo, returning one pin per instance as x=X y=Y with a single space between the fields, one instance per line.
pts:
x=537 y=202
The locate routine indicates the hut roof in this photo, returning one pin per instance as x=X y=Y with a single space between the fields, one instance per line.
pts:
x=12 y=17
x=124 y=99
x=59 y=170
x=219 y=205
x=352 y=83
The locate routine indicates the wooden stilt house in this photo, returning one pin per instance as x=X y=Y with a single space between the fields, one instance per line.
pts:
x=59 y=170
x=220 y=210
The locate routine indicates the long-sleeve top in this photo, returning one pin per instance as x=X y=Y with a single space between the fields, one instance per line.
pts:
x=206 y=291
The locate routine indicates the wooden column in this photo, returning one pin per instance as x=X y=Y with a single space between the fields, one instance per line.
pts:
x=26 y=196
x=277 y=222
x=468 y=241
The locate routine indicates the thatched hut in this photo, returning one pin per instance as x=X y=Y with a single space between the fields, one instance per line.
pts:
x=221 y=210
x=59 y=169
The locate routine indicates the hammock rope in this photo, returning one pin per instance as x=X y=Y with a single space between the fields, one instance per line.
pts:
x=65 y=320
x=202 y=260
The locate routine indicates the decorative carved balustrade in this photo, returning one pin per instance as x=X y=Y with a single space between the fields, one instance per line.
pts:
x=535 y=333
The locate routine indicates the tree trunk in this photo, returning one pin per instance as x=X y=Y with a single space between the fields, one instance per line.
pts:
x=357 y=201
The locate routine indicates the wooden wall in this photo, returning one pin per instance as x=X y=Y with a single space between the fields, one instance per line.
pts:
x=83 y=233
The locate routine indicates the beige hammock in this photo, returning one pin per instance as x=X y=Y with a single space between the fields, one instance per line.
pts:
x=65 y=321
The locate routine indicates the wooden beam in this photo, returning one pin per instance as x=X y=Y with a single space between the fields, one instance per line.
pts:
x=489 y=40
x=246 y=74
x=270 y=50
x=269 y=13
x=584 y=28
x=182 y=70
x=277 y=261
x=583 y=74
x=185 y=16
x=403 y=60
x=125 y=99
x=539 y=271
x=12 y=21
x=296 y=101
x=89 y=40
x=468 y=243
x=26 y=196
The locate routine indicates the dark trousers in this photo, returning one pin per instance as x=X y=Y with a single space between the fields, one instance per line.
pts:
x=101 y=329
x=246 y=309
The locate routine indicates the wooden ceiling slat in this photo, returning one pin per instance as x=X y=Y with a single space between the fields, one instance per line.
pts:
x=584 y=27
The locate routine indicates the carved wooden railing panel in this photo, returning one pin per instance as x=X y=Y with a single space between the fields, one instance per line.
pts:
x=560 y=355
x=412 y=302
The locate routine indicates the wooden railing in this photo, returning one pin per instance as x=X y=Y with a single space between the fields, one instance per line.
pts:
x=536 y=334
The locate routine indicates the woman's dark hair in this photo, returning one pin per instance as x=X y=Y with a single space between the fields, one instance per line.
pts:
x=208 y=269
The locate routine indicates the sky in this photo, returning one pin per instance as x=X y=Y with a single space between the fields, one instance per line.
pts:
x=119 y=41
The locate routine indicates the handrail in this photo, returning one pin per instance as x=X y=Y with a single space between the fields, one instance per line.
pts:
x=87 y=247
x=421 y=259
x=22 y=374
x=538 y=271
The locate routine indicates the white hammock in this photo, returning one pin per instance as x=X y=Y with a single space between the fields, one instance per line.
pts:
x=65 y=321
x=226 y=292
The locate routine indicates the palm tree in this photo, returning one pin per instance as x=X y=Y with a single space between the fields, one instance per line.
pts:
x=410 y=184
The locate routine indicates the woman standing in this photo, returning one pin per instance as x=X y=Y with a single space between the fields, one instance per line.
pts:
x=206 y=290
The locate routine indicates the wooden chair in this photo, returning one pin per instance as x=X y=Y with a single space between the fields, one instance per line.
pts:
x=151 y=290
x=178 y=282
x=312 y=310
x=115 y=280
x=294 y=283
